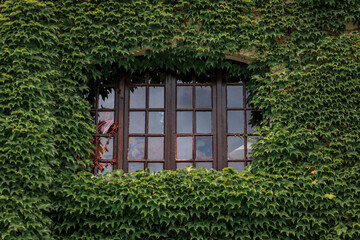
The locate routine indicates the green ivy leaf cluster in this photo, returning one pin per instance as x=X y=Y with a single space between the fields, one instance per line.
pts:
x=203 y=204
x=304 y=180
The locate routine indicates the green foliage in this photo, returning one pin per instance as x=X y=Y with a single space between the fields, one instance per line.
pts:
x=203 y=204
x=304 y=181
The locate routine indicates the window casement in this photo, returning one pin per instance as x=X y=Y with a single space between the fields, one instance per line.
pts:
x=165 y=120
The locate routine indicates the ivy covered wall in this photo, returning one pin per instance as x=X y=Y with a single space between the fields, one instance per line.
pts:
x=305 y=75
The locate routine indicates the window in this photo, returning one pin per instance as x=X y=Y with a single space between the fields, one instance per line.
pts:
x=165 y=120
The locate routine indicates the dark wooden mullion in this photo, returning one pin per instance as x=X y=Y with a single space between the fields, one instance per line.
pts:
x=221 y=120
x=146 y=135
x=194 y=122
x=170 y=134
x=120 y=133
x=126 y=124
x=245 y=122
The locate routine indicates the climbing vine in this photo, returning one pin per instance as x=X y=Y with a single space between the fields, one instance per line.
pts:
x=304 y=75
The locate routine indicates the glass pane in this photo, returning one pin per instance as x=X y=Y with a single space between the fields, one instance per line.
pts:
x=207 y=165
x=184 y=122
x=138 y=78
x=137 y=97
x=204 y=147
x=184 y=78
x=136 y=147
x=106 y=168
x=235 y=148
x=156 y=97
x=106 y=97
x=235 y=121
x=203 y=122
x=203 y=78
x=105 y=147
x=238 y=166
x=155 y=148
x=185 y=97
x=157 y=77
x=184 y=147
x=234 y=79
x=253 y=119
x=105 y=122
x=203 y=96
x=234 y=96
x=251 y=142
x=248 y=105
x=156 y=122
x=155 y=167
x=137 y=122
x=182 y=165
x=135 y=166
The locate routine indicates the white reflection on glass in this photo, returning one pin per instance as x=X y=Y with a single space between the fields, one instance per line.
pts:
x=184 y=147
x=235 y=148
x=156 y=122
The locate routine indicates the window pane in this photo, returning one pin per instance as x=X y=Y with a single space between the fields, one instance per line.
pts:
x=106 y=168
x=234 y=79
x=184 y=122
x=156 y=97
x=204 y=147
x=136 y=147
x=184 y=78
x=105 y=147
x=203 y=122
x=235 y=121
x=137 y=122
x=238 y=166
x=133 y=167
x=155 y=148
x=248 y=105
x=182 y=165
x=234 y=96
x=203 y=78
x=235 y=148
x=155 y=167
x=253 y=119
x=106 y=98
x=184 y=97
x=184 y=146
x=156 y=122
x=207 y=165
x=203 y=97
x=138 y=77
x=105 y=122
x=157 y=77
x=137 y=97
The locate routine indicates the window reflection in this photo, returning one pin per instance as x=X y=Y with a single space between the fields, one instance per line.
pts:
x=106 y=97
x=136 y=148
x=184 y=97
x=137 y=97
x=137 y=122
x=184 y=147
x=204 y=147
x=253 y=120
x=156 y=122
x=203 y=97
x=105 y=122
x=236 y=148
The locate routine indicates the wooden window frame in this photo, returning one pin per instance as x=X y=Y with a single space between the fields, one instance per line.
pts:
x=219 y=121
